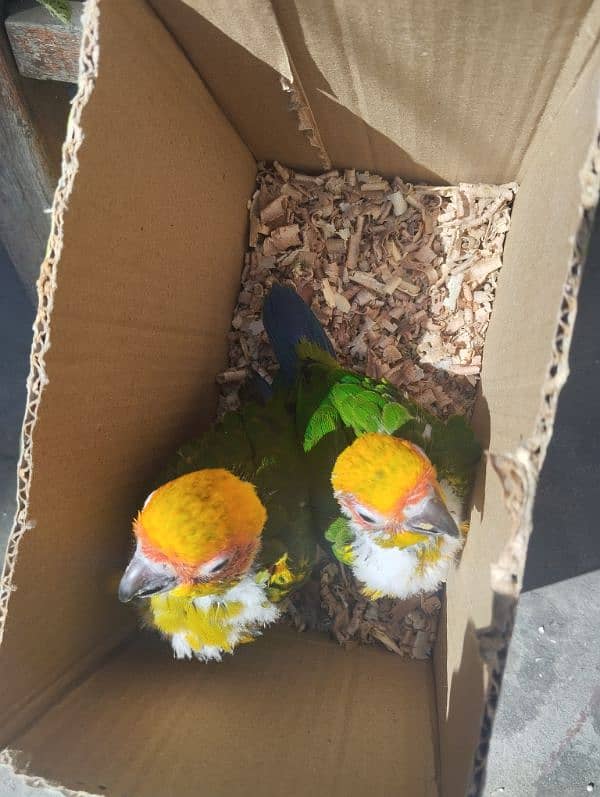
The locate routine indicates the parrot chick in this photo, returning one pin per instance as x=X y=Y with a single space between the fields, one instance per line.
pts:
x=197 y=538
x=227 y=535
x=401 y=477
x=400 y=537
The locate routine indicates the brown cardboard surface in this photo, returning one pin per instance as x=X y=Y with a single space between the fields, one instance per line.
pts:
x=138 y=333
x=458 y=90
x=153 y=239
x=290 y=714
x=545 y=218
x=408 y=89
x=243 y=70
x=251 y=24
x=584 y=47
x=403 y=89
x=512 y=409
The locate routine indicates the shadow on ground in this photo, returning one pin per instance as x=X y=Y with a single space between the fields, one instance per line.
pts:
x=566 y=538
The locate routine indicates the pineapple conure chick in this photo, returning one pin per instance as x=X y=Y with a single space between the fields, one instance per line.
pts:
x=226 y=535
x=400 y=477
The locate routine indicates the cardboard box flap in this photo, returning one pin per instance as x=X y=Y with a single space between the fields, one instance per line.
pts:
x=132 y=328
x=584 y=48
x=293 y=715
x=141 y=300
x=401 y=90
x=525 y=366
x=459 y=93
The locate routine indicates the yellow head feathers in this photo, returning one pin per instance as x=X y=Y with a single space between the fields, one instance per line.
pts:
x=381 y=472
x=199 y=515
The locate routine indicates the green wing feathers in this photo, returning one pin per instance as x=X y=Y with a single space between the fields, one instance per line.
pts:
x=323 y=421
x=360 y=404
x=394 y=416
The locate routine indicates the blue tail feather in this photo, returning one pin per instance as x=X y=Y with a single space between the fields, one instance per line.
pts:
x=288 y=320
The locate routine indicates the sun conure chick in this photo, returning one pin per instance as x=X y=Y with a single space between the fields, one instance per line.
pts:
x=397 y=534
x=400 y=476
x=226 y=536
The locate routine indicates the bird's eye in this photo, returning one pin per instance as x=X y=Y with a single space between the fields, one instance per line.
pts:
x=218 y=566
x=365 y=516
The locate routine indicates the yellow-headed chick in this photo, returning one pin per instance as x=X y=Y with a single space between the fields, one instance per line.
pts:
x=400 y=476
x=226 y=537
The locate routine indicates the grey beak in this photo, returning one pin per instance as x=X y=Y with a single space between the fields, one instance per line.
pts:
x=432 y=517
x=140 y=580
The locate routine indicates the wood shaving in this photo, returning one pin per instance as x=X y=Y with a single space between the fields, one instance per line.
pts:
x=402 y=277
x=334 y=604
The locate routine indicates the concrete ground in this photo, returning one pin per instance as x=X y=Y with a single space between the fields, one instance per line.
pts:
x=546 y=740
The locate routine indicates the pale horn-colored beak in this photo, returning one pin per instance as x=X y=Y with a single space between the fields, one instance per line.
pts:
x=431 y=516
x=141 y=579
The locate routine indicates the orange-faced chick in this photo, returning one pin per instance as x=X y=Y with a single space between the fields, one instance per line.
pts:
x=405 y=537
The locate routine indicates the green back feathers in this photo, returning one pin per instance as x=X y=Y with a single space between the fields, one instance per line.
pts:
x=361 y=409
x=359 y=403
x=308 y=351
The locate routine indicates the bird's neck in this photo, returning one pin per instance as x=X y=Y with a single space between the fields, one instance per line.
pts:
x=402 y=572
x=248 y=590
x=206 y=626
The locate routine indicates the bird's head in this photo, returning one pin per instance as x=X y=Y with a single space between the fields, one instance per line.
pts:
x=388 y=488
x=197 y=535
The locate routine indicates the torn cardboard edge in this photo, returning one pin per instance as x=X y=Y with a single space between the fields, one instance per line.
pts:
x=298 y=104
x=519 y=471
x=46 y=287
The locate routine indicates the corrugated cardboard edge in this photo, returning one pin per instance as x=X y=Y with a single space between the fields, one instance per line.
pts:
x=21 y=783
x=37 y=380
x=46 y=286
x=519 y=471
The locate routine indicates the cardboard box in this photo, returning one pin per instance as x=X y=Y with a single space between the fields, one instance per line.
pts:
x=175 y=104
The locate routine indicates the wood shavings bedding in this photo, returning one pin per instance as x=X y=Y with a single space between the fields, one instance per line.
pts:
x=403 y=279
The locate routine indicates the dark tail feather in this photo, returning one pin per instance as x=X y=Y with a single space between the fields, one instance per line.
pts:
x=256 y=388
x=288 y=320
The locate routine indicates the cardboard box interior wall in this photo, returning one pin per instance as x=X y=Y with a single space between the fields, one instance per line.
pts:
x=176 y=102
